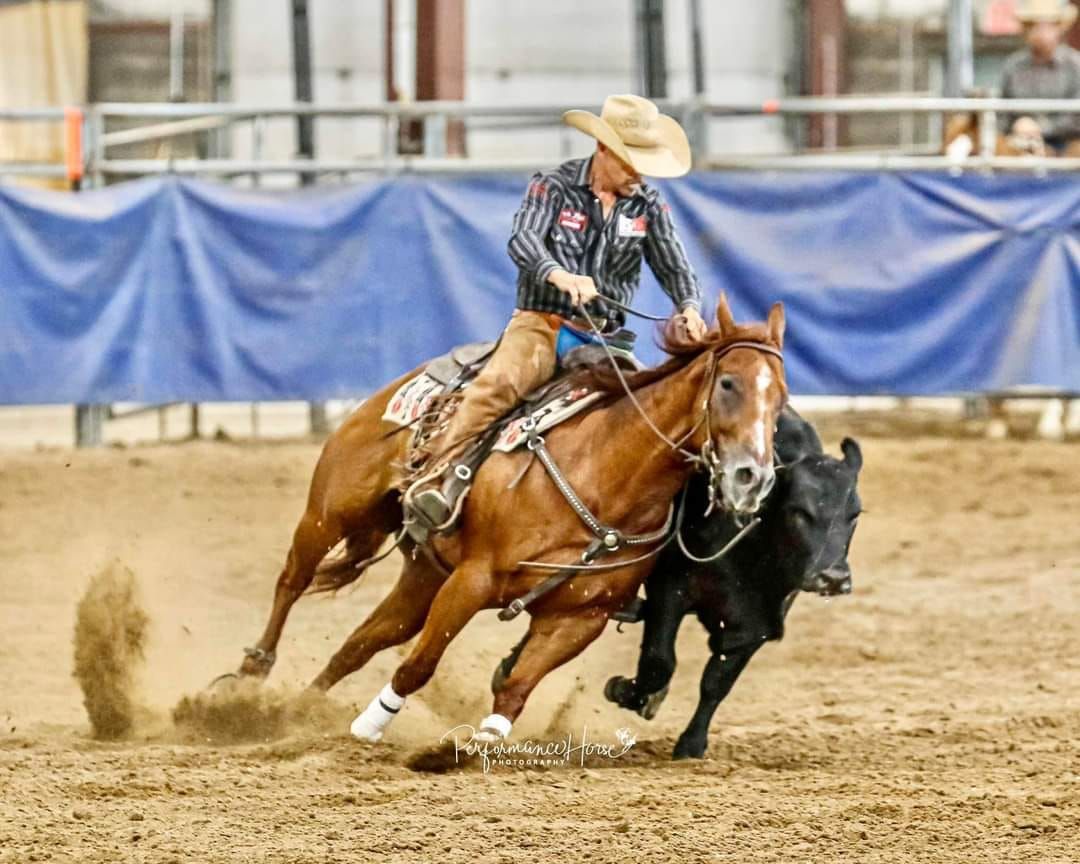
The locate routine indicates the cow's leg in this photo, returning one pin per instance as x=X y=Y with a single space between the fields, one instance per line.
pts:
x=552 y=641
x=396 y=619
x=644 y=693
x=719 y=677
x=466 y=592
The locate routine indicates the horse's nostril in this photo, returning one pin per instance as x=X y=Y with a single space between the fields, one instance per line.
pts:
x=744 y=476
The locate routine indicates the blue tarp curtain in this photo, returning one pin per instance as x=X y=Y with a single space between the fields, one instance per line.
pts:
x=168 y=289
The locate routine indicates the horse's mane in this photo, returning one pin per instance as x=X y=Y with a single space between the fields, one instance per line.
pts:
x=683 y=352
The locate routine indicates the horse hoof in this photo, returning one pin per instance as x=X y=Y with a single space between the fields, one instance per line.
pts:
x=493 y=729
x=228 y=676
x=487 y=736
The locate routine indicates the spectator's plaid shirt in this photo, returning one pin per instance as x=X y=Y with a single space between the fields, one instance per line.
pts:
x=1024 y=78
x=561 y=224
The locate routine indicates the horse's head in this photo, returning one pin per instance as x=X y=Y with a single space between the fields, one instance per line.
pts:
x=745 y=390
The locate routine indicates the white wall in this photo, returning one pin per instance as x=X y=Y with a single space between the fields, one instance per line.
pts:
x=569 y=52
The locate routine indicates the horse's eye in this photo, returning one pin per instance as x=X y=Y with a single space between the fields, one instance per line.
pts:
x=727 y=382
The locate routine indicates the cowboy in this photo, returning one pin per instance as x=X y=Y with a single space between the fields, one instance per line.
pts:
x=578 y=237
x=1046 y=69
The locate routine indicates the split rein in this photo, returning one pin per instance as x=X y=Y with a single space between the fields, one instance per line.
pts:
x=609 y=540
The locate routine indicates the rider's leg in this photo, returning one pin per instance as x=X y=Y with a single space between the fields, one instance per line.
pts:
x=524 y=359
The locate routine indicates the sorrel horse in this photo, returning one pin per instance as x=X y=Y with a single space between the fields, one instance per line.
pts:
x=723 y=394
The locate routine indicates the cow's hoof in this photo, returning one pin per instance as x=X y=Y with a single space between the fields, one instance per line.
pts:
x=687 y=748
x=620 y=690
x=653 y=703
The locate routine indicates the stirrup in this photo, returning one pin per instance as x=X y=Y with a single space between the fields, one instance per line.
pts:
x=436 y=510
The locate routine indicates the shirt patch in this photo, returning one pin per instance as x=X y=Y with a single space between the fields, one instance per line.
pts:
x=632 y=227
x=573 y=219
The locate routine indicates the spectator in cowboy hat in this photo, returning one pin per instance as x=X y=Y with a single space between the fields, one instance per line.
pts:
x=1046 y=69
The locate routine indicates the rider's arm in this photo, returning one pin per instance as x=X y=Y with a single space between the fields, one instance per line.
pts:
x=531 y=225
x=667 y=259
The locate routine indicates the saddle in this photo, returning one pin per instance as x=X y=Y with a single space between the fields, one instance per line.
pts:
x=427 y=401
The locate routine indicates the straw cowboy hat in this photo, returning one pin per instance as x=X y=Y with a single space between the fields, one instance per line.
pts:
x=634 y=130
x=1034 y=11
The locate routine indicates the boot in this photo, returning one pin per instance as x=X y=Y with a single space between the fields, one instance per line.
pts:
x=436 y=505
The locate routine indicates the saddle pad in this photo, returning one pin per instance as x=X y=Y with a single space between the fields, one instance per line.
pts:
x=412 y=399
x=414 y=396
x=545 y=417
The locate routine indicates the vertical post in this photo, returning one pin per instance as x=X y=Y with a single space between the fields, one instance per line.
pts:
x=222 y=23
x=176 y=52
x=301 y=44
x=961 y=76
x=697 y=123
x=89 y=425
x=651 y=50
x=89 y=419
x=826 y=54
x=403 y=14
x=440 y=70
x=305 y=140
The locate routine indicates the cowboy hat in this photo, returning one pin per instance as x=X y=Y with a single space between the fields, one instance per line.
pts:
x=632 y=128
x=1034 y=11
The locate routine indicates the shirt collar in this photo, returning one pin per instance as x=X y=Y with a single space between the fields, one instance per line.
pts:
x=582 y=179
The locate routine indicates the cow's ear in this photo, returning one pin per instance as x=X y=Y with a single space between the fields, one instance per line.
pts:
x=776 y=325
x=724 y=319
x=852 y=453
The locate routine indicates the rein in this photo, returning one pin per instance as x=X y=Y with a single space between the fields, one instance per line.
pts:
x=608 y=540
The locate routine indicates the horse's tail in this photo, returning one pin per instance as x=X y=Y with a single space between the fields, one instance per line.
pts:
x=334 y=573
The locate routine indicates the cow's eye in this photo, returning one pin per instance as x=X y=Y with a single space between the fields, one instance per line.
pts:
x=800 y=514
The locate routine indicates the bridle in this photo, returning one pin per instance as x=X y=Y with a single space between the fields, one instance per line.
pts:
x=707 y=460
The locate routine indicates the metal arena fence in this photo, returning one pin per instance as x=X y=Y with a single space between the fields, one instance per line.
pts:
x=91 y=141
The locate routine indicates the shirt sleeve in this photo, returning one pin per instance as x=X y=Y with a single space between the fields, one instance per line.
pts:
x=531 y=225
x=667 y=259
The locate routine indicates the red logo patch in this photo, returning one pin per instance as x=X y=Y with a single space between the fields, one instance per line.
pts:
x=573 y=219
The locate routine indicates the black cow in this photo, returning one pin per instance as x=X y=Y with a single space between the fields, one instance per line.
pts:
x=742 y=599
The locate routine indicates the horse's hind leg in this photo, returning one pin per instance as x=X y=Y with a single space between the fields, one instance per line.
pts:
x=311 y=541
x=552 y=641
x=396 y=619
x=467 y=591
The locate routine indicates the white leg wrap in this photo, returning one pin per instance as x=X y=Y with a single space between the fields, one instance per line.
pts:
x=373 y=720
x=493 y=728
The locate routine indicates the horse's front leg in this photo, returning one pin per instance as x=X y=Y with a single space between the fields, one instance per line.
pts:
x=720 y=675
x=665 y=606
x=465 y=592
x=395 y=620
x=552 y=641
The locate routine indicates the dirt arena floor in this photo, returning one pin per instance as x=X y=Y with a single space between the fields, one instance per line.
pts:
x=933 y=716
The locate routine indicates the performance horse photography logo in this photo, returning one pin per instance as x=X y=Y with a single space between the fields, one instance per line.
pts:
x=528 y=753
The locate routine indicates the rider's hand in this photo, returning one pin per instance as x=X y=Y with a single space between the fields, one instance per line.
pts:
x=581 y=289
x=691 y=323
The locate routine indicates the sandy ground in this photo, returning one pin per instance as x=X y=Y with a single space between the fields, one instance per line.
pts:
x=932 y=716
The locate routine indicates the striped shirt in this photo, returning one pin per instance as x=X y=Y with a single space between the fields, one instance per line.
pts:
x=560 y=224
x=1025 y=78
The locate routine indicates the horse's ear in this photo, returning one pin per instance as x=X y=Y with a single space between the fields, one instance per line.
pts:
x=724 y=318
x=776 y=325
